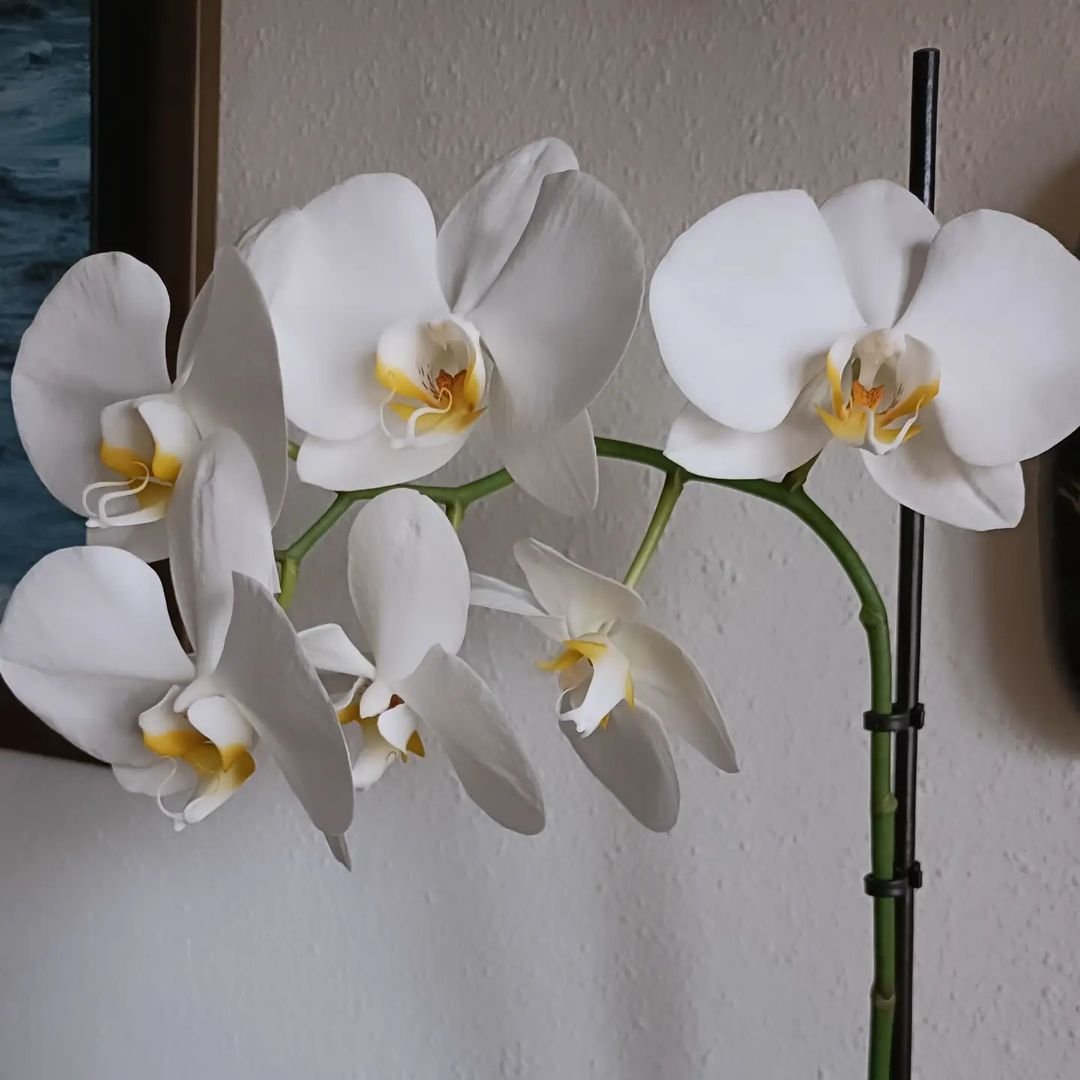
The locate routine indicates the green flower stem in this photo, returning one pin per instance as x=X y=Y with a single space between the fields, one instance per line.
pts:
x=669 y=496
x=790 y=495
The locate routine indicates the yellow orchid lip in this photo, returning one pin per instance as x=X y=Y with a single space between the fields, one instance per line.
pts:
x=186 y=744
x=350 y=714
x=443 y=392
x=577 y=649
x=151 y=484
x=868 y=416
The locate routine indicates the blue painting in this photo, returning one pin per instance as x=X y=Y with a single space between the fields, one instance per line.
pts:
x=44 y=228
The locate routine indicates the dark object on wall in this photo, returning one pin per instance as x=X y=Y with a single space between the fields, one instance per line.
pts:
x=134 y=169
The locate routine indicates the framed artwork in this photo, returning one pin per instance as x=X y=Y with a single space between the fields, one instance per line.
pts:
x=108 y=142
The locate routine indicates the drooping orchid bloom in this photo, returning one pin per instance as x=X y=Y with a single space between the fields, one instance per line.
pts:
x=947 y=355
x=86 y=643
x=384 y=324
x=103 y=426
x=623 y=685
x=409 y=583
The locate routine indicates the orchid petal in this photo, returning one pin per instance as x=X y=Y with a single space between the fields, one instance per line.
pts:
x=632 y=758
x=354 y=261
x=369 y=461
x=371 y=761
x=408 y=579
x=926 y=476
x=150 y=542
x=98 y=338
x=883 y=233
x=998 y=305
x=457 y=705
x=479 y=234
x=218 y=523
x=264 y=670
x=86 y=644
x=557 y=468
x=559 y=316
x=233 y=379
x=222 y=722
x=710 y=449
x=746 y=302
x=329 y=649
x=586 y=599
x=667 y=681
x=397 y=725
x=496 y=595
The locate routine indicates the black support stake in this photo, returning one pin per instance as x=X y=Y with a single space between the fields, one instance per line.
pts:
x=921 y=175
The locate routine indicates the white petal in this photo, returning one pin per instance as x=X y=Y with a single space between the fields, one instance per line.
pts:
x=631 y=757
x=558 y=318
x=883 y=233
x=397 y=725
x=357 y=259
x=461 y=710
x=607 y=686
x=150 y=542
x=369 y=461
x=583 y=597
x=218 y=522
x=371 y=761
x=557 y=468
x=479 y=234
x=745 y=304
x=263 y=669
x=329 y=649
x=170 y=425
x=233 y=380
x=710 y=449
x=925 y=475
x=409 y=581
x=999 y=303
x=98 y=338
x=667 y=681
x=496 y=595
x=159 y=780
x=222 y=722
x=86 y=644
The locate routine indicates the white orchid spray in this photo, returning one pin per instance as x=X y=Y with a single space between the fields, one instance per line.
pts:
x=384 y=323
x=87 y=644
x=945 y=354
x=106 y=430
x=409 y=583
x=623 y=684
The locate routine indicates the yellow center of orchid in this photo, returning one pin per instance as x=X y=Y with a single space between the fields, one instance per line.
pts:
x=151 y=483
x=877 y=415
x=369 y=725
x=233 y=763
x=577 y=649
x=436 y=379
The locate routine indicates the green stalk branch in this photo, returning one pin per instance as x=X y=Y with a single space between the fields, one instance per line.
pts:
x=789 y=494
x=669 y=496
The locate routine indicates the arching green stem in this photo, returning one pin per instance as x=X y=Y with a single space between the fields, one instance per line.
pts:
x=669 y=496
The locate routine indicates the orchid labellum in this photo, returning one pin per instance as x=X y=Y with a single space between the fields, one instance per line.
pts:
x=102 y=424
x=945 y=354
x=622 y=684
x=409 y=583
x=86 y=643
x=386 y=325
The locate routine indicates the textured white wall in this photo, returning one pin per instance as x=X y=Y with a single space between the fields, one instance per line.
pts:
x=736 y=947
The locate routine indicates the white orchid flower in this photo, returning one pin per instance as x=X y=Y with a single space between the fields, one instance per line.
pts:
x=100 y=421
x=86 y=643
x=947 y=355
x=622 y=683
x=409 y=583
x=383 y=323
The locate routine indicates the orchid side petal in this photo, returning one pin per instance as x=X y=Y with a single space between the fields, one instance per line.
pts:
x=457 y=705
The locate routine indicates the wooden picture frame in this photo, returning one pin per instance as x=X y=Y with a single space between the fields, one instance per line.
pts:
x=153 y=183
